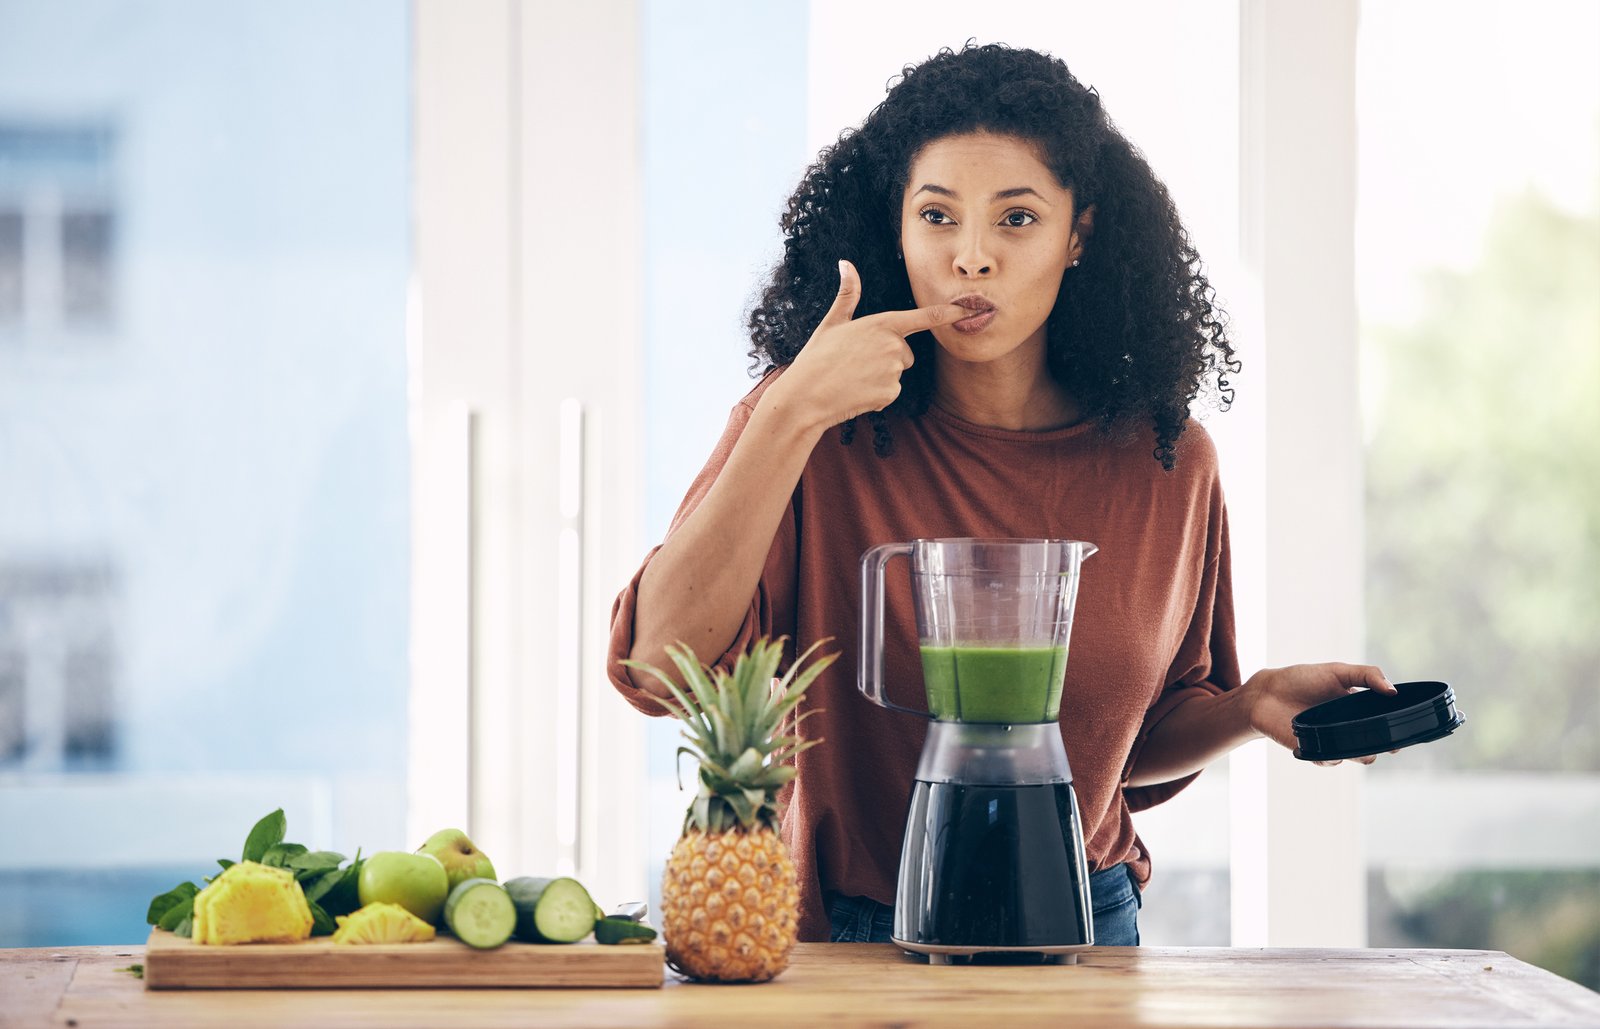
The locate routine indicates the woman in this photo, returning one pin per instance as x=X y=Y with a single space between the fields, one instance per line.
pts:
x=992 y=275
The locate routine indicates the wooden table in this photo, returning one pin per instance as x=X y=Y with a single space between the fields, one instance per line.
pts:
x=867 y=984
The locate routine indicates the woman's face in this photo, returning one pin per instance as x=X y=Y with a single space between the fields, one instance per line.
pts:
x=983 y=216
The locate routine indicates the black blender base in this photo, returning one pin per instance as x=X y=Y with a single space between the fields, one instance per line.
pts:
x=993 y=870
x=995 y=955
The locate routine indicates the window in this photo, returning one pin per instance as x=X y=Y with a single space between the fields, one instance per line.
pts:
x=1478 y=269
x=58 y=627
x=56 y=227
x=86 y=266
x=11 y=282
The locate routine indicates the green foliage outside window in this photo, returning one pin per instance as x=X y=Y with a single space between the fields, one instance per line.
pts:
x=1483 y=559
x=1483 y=495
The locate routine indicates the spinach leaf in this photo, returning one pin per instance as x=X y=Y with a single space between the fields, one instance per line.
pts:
x=177 y=915
x=185 y=928
x=278 y=855
x=318 y=886
x=159 y=906
x=266 y=833
x=345 y=894
x=314 y=861
x=321 y=922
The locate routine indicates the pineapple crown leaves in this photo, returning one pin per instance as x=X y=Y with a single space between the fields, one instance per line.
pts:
x=731 y=722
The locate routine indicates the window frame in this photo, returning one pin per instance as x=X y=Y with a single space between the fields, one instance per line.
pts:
x=524 y=429
x=1297 y=853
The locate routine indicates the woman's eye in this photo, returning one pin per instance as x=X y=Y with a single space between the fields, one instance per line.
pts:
x=932 y=211
x=1019 y=214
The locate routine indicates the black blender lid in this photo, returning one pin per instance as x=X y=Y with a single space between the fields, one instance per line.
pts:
x=1369 y=722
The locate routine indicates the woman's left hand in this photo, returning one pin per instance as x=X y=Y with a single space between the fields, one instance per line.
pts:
x=1278 y=694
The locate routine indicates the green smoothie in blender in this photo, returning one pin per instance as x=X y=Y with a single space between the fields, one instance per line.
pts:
x=1011 y=685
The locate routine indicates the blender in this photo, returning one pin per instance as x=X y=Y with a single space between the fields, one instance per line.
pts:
x=992 y=860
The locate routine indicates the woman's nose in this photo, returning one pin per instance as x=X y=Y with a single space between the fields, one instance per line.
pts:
x=972 y=256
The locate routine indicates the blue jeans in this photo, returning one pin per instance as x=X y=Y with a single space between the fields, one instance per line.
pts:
x=1112 y=891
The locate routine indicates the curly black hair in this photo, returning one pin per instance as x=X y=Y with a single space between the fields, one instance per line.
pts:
x=1136 y=333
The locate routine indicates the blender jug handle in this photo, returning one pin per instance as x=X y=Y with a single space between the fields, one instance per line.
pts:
x=869 y=677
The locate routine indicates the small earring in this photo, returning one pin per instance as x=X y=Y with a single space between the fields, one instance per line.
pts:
x=1074 y=262
x=898 y=256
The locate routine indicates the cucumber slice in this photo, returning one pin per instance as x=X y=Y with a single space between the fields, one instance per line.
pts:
x=551 y=910
x=622 y=930
x=480 y=913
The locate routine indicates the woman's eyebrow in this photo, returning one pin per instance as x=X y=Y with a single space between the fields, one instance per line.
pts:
x=1015 y=191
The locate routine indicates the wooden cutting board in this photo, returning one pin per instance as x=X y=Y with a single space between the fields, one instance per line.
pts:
x=178 y=963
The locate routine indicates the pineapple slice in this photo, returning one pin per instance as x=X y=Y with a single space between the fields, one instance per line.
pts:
x=382 y=922
x=252 y=903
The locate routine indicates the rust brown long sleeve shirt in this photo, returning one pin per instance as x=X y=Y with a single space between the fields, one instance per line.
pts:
x=1153 y=626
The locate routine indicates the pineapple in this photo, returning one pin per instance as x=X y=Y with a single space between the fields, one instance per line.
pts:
x=729 y=896
x=252 y=903
x=382 y=922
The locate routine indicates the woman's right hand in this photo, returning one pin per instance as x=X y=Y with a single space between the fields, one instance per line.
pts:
x=698 y=587
x=852 y=365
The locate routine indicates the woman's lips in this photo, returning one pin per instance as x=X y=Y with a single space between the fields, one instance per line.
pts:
x=982 y=309
x=975 y=322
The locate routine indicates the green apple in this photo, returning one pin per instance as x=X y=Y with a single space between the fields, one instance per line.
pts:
x=417 y=882
x=460 y=858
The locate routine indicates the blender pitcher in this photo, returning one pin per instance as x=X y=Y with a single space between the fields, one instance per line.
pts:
x=993 y=620
x=993 y=857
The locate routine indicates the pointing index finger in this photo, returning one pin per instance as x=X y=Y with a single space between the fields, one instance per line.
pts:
x=923 y=318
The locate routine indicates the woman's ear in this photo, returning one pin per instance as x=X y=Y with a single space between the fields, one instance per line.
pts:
x=1082 y=230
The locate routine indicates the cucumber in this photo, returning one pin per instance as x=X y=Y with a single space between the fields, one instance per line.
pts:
x=480 y=913
x=622 y=930
x=551 y=910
